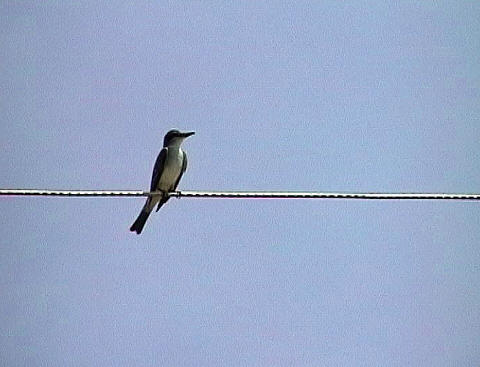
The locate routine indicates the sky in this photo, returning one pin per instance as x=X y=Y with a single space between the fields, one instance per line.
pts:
x=360 y=96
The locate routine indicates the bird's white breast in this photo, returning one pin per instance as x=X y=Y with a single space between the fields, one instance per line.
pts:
x=172 y=169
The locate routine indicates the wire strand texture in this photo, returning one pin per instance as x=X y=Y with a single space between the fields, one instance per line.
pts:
x=244 y=194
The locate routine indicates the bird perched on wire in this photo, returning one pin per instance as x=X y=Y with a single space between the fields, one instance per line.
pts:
x=167 y=172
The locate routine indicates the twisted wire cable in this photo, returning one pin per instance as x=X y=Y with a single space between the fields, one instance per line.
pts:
x=245 y=194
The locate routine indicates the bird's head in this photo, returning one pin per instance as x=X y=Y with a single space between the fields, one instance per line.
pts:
x=175 y=137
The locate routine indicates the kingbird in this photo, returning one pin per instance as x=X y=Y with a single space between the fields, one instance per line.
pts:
x=167 y=172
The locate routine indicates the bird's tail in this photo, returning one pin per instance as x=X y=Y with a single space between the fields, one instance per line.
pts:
x=138 y=225
x=161 y=202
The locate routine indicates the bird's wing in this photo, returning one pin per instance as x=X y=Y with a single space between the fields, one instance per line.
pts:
x=158 y=169
x=184 y=168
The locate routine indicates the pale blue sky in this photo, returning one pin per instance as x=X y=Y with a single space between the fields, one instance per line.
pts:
x=323 y=96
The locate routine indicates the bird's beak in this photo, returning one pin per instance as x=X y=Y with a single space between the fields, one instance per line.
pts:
x=187 y=134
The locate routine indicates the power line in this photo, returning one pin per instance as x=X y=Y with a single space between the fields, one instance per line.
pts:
x=245 y=194
x=29 y=192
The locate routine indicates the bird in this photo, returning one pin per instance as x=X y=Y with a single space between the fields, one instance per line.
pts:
x=169 y=167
